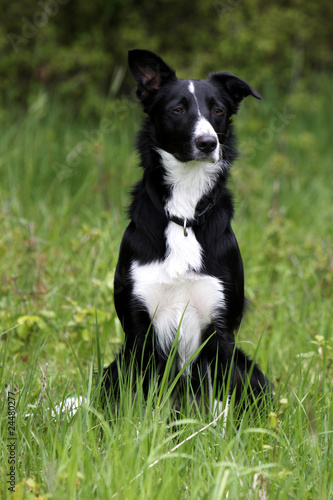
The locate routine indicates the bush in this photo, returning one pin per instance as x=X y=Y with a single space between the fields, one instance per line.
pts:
x=78 y=50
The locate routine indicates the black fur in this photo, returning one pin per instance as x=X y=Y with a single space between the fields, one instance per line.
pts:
x=163 y=97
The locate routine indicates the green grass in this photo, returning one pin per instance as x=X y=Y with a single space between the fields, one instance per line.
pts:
x=63 y=192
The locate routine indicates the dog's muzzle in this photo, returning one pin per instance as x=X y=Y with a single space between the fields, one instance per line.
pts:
x=206 y=143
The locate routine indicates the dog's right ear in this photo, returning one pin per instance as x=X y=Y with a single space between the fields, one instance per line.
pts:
x=149 y=71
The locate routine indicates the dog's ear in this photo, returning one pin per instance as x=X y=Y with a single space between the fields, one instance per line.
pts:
x=236 y=87
x=149 y=71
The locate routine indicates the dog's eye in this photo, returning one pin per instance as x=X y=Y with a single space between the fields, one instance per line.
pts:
x=178 y=110
x=218 y=111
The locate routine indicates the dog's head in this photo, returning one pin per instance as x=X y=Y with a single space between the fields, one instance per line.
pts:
x=190 y=118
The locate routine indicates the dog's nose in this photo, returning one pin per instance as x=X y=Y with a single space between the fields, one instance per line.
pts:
x=206 y=143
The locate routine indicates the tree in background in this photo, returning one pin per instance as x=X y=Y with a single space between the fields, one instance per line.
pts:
x=77 y=50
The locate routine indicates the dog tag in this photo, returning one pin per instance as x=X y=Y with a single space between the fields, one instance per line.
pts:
x=185 y=230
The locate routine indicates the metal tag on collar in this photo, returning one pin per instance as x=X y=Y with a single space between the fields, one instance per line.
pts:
x=185 y=230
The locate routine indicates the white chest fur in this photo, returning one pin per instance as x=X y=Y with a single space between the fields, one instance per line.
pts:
x=175 y=292
x=177 y=295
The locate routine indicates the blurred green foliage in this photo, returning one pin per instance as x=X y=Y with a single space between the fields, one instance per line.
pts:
x=78 y=49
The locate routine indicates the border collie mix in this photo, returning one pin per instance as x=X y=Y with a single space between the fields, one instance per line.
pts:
x=179 y=277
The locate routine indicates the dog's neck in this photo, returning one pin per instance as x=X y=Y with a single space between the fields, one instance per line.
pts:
x=188 y=183
x=193 y=186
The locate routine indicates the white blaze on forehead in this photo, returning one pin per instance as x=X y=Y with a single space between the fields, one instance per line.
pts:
x=192 y=90
x=202 y=126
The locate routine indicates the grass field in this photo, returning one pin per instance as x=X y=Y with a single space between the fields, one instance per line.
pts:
x=63 y=191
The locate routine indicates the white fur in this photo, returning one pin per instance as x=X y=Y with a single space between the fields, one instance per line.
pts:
x=174 y=291
x=216 y=405
x=189 y=181
x=186 y=301
x=203 y=127
x=191 y=87
x=192 y=90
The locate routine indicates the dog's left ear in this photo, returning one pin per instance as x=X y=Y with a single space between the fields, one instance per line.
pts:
x=236 y=87
x=150 y=72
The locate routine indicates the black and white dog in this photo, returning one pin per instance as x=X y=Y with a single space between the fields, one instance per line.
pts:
x=180 y=271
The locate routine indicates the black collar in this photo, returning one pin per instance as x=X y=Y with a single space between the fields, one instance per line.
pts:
x=202 y=212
